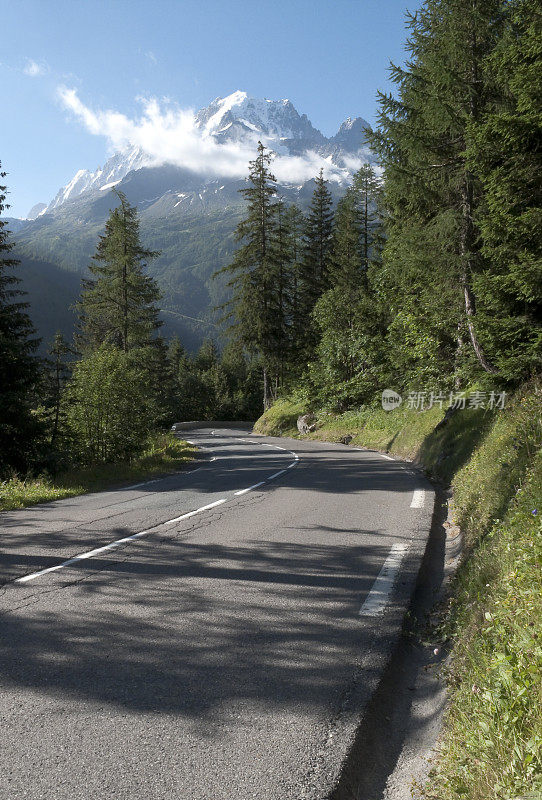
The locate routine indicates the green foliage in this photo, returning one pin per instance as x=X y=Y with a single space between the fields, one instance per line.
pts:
x=19 y=369
x=492 y=744
x=432 y=196
x=119 y=307
x=110 y=413
x=280 y=419
x=210 y=385
x=314 y=271
x=52 y=408
x=351 y=354
x=504 y=151
x=260 y=275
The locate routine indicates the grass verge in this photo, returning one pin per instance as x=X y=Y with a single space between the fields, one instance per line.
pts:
x=163 y=454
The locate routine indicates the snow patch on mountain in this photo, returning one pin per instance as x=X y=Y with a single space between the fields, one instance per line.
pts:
x=113 y=171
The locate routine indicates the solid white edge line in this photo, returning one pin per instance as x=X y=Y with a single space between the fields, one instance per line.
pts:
x=112 y=545
x=197 y=511
x=418 y=498
x=376 y=600
x=388 y=457
x=254 y=486
x=124 y=540
x=138 y=485
x=276 y=474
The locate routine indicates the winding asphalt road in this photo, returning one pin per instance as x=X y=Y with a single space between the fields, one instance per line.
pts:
x=227 y=645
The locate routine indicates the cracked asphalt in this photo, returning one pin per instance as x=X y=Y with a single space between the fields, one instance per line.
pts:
x=221 y=656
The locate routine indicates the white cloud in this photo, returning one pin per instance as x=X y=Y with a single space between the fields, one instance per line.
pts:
x=35 y=70
x=151 y=57
x=168 y=134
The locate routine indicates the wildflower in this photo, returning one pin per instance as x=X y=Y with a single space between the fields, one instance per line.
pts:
x=534 y=512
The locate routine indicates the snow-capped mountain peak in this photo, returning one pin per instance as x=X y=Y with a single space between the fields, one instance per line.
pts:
x=239 y=114
x=111 y=173
x=351 y=134
x=210 y=118
x=239 y=119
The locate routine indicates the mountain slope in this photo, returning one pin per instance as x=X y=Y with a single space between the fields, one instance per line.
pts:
x=188 y=216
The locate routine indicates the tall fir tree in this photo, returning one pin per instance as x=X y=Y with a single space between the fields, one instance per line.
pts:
x=368 y=190
x=118 y=304
x=19 y=367
x=350 y=352
x=56 y=376
x=285 y=278
x=347 y=263
x=258 y=319
x=505 y=153
x=294 y=222
x=318 y=236
x=315 y=265
x=433 y=252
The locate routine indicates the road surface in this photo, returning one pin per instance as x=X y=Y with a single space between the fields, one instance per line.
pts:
x=207 y=636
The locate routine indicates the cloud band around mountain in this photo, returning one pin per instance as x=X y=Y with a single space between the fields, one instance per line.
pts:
x=169 y=134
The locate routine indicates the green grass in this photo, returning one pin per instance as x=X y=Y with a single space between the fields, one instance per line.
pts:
x=401 y=431
x=280 y=419
x=492 y=742
x=491 y=747
x=164 y=453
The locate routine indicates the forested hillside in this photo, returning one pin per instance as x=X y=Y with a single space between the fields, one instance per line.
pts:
x=429 y=279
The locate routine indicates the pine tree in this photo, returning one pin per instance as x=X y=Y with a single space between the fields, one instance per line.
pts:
x=57 y=375
x=242 y=376
x=505 y=155
x=294 y=223
x=284 y=288
x=318 y=236
x=347 y=262
x=176 y=354
x=19 y=368
x=347 y=316
x=159 y=377
x=256 y=303
x=433 y=253
x=368 y=191
x=118 y=305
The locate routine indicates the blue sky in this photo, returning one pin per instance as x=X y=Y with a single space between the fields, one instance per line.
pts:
x=328 y=57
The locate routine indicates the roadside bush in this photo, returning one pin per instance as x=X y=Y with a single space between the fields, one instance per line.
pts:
x=109 y=414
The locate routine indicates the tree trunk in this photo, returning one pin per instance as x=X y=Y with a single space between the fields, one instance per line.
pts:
x=467 y=253
x=266 y=403
x=458 y=354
